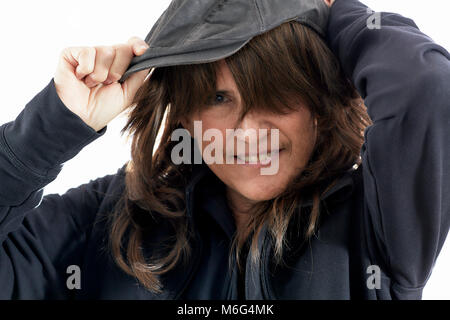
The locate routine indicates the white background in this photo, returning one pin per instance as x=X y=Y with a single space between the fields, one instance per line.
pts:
x=33 y=33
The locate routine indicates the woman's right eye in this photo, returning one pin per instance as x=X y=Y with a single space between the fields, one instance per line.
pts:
x=220 y=98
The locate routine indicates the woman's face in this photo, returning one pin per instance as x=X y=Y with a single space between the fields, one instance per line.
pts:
x=296 y=138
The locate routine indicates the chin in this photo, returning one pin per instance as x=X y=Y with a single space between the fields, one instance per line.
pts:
x=260 y=192
x=261 y=188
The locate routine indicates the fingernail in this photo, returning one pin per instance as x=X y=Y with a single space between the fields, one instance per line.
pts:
x=143 y=47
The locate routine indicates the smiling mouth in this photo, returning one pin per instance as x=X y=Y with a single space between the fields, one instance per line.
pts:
x=263 y=158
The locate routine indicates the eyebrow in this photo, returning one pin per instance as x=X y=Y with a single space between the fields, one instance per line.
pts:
x=225 y=92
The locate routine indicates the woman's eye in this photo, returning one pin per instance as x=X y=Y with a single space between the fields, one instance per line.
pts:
x=219 y=99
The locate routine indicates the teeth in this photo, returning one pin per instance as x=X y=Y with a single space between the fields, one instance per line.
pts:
x=254 y=158
x=251 y=159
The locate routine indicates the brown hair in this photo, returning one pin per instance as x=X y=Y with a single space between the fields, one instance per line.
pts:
x=301 y=65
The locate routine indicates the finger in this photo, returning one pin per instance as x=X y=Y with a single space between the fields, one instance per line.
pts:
x=84 y=58
x=124 y=55
x=103 y=60
x=132 y=84
x=139 y=45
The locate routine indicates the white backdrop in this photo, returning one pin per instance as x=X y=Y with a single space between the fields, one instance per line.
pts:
x=33 y=33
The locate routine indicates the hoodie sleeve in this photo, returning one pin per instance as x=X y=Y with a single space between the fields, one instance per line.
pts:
x=38 y=233
x=403 y=77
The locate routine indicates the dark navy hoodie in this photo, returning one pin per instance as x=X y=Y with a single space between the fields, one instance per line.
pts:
x=386 y=220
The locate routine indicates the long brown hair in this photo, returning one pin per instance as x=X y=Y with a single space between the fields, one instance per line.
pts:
x=288 y=61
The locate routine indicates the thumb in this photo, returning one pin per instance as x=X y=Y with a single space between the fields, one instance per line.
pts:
x=132 y=84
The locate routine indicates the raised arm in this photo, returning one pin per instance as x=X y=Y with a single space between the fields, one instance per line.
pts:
x=41 y=236
x=35 y=231
x=404 y=78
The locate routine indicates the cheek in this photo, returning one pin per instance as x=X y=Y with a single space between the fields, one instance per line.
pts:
x=208 y=124
x=301 y=132
x=216 y=119
x=303 y=141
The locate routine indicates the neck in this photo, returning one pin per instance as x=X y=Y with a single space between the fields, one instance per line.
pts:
x=240 y=206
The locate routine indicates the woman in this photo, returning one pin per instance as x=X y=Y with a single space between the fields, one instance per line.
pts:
x=358 y=207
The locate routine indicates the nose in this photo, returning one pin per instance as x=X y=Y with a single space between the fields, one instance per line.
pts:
x=254 y=123
x=257 y=119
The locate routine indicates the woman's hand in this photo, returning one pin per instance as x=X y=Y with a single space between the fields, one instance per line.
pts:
x=86 y=80
x=329 y=2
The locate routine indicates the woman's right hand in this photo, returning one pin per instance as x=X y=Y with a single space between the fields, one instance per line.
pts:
x=86 y=80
